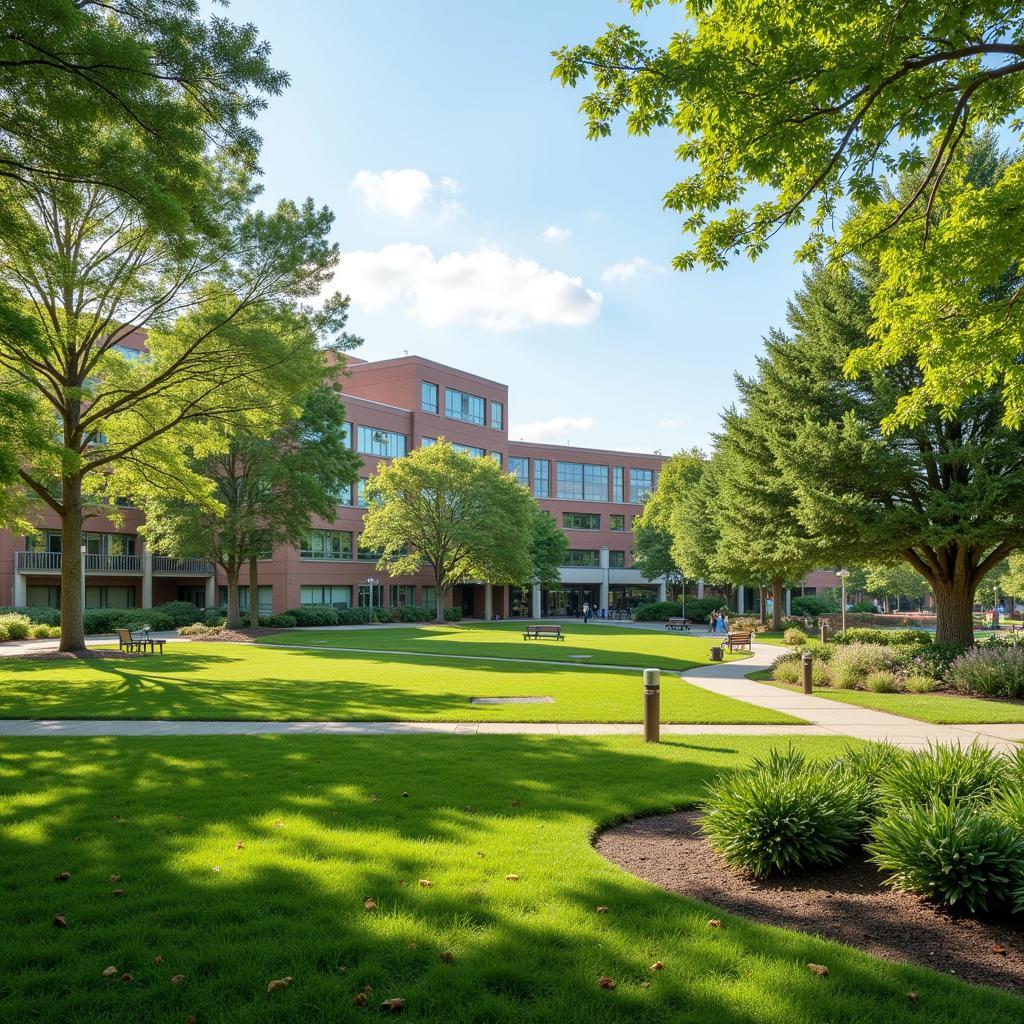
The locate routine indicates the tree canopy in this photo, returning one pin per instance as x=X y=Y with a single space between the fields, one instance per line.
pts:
x=459 y=514
x=548 y=549
x=652 y=529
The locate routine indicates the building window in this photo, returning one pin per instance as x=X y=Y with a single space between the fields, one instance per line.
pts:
x=579 y=482
x=40 y=596
x=581 y=557
x=402 y=595
x=460 y=406
x=430 y=598
x=468 y=449
x=541 y=485
x=616 y=559
x=45 y=540
x=617 y=484
x=109 y=597
x=266 y=598
x=616 y=522
x=344 y=496
x=368 y=555
x=329 y=545
x=498 y=457
x=497 y=415
x=521 y=468
x=384 y=443
x=335 y=596
x=426 y=442
x=581 y=521
x=361 y=492
x=428 y=396
x=346 y=433
x=641 y=484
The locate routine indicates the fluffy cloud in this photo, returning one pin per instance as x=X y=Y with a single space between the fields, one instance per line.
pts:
x=552 y=233
x=484 y=288
x=406 y=192
x=558 y=429
x=629 y=269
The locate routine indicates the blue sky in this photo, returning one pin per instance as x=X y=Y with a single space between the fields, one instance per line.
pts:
x=600 y=342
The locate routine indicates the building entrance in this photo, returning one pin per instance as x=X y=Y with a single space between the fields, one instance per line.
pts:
x=567 y=602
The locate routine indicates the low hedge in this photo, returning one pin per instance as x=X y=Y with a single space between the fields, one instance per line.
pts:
x=812 y=605
x=35 y=615
x=181 y=613
x=314 y=615
x=14 y=626
x=106 y=620
x=453 y=615
x=888 y=637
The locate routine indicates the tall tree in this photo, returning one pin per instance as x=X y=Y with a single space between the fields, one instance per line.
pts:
x=894 y=579
x=267 y=490
x=460 y=515
x=1013 y=581
x=652 y=530
x=548 y=550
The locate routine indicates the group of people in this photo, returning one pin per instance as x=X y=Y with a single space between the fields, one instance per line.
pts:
x=718 y=622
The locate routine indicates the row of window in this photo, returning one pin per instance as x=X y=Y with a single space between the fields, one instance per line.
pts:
x=334 y=546
x=591 y=559
x=95 y=543
x=367 y=595
x=577 y=481
x=458 y=405
x=592 y=521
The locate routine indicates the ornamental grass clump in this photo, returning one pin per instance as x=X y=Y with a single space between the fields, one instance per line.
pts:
x=851 y=664
x=944 y=773
x=794 y=637
x=783 y=815
x=14 y=626
x=990 y=672
x=865 y=766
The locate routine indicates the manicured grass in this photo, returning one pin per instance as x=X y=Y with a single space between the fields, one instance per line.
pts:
x=323 y=826
x=243 y=681
x=605 y=645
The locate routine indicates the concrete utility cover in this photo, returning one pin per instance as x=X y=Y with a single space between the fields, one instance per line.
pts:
x=512 y=700
x=580 y=655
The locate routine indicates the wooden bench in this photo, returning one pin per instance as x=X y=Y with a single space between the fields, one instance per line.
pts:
x=738 y=639
x=536 y=632
x=127 y=641
x=677 y=622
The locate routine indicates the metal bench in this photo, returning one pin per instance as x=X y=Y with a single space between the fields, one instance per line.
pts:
x=536 y=632
x=127 y=642
x=677 y=622
x=738 y=639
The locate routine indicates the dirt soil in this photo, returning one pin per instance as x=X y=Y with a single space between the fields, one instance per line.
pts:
x=847 y=903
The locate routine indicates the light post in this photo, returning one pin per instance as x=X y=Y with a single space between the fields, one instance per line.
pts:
x=82 y=549
x=842 y=574
x=372 y=583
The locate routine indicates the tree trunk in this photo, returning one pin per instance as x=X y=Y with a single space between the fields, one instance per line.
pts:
x=254 y=593
x=762 y=609
x=441 y=594
x=234 y=619
x=954 y=609
x=777 y=603
x=72 y=630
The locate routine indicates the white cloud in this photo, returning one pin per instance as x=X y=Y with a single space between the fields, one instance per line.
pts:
x=629 y=269
x=485 y=288
x=406 y=192
x=669 y=423
x=559 y=428
x=553 y=233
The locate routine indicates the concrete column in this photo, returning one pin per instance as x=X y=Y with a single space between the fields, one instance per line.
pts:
x=740 y=600
x=20 y=589
x=661 y=591
x=789 y=599
x=535 y=601
x=211 y=590
x=605 y=562
x=700 y=587
x=147 y=578
x=488 y=602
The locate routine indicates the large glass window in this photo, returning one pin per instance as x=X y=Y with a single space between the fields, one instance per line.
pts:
x=361 y=492
x=109 y=597
x=402 y=595
x=430 y=598
x=616 y=522
x=497 y=415
x=468 y=449
x=617 y=484
x=581 y=521
x=344 y=496
x=346 y=433
x=460 y=406
x=327 y=544
x=641 y=483
x=579 y=482
x=266 y=599
x=616 y=559
x=428 y=396
x=336 y=596
x=541 y=484
x=385 y=443
x=582 y=557
x=521 y=468
x=498 y=457
x=368 y=555
x=426 y=442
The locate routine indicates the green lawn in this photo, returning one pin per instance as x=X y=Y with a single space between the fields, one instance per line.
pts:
x=244 y=681
x=323 y=826
x=603 y=645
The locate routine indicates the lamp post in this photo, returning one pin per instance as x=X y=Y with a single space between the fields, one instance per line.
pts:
x=82 y=549
x=842 y=574
x=372 y=583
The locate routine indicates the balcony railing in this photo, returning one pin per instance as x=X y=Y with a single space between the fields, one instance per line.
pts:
x=50 y=561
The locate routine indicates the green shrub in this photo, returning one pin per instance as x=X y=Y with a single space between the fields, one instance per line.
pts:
x=794 y=637
x=453 y=615
x=853 y=663
x=410 y=613
x=382 y=615
x=40 y=631
x=35 y=614
x=881 y=682
x=946 y=773
x=787 y=671
x=14 y=626
x=886 y=637
x=812 y=605
x=864 y=766
x=181 y=613
x=354 y=617
x=818 y=650
x=782 y=815
x=106 y=620
x=991 y=671
x=955 y=853
x=198 y=629
x=918 y=683
x=658 y=611
x=285 y=620
x=314 y=615
x=935 y=659
x=699 y=609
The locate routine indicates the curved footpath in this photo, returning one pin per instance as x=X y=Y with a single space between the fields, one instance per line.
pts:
x=824 y=717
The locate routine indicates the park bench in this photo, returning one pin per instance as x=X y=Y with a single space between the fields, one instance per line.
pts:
x=535 y=632
x=677 y=622
x=738 y=639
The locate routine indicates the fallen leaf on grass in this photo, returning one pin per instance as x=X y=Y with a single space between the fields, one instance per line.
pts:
x=127 y=977
x=511 y=878
x=912 y=996
x=63 y=876
x=341 y=968
x=405 y=792
x=359 y=999
x=59 y=921
x=446 y=956
x=480 y=853
x=369 y=904
x=602 y=910
x=178 y=979
x=239 y=846
x=395 y=1005
x=425 y=883
x=115 y=878
x=216 y=869
x=117 y=892
x=714 y=923
x=110 y=972
x=657 y=966
x=278 y=983
x=820 y=969
x=605 y=982
x=645 y=984
x=158 y=960
x=516 y=803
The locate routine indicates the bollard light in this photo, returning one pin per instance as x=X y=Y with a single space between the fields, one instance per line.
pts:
x=652 y=705
x=805 y=666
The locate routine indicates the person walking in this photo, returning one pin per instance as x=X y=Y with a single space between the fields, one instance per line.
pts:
x=713 y=622
x=586 y=612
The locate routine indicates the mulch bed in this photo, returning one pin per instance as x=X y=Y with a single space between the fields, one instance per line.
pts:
x=847 y=903
x=235 y=636
x=87 y=655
